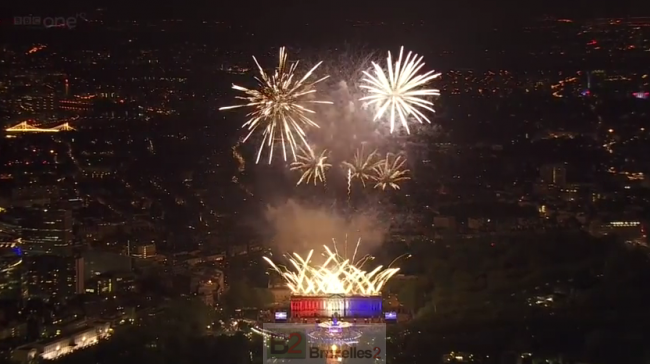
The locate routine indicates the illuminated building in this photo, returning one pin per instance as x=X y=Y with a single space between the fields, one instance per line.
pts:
x=53 y=276
x=335 y=287
x=554 y=174
x=341 y=305
x=112 y=283
x=59 y=346
x=77 y=104
x=36 y=104
x=46 y=230
x=34 y=195
x=143 y=251
x=627 y=230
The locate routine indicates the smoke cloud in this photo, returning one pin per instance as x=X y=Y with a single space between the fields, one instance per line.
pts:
x=299 y=228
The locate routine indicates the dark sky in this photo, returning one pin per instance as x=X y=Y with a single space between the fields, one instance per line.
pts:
x=458 y=11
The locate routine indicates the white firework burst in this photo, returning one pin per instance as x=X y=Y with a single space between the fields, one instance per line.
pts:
x=401 y=90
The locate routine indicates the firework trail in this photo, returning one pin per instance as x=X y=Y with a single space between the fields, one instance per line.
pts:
x=400 y=91
x=349 y=183
x=361 y=167
x=278 y=107
x=241 y=163
x=241 y=167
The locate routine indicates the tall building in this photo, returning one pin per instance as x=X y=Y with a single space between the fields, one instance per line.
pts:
x=47 y=231
x=553 y=174
x=54 y=276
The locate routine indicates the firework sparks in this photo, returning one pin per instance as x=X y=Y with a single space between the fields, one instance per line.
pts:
x=241 y=163
x=336 y=276
x=279 y=107
x=312 y=165
x=401 y=91
x=361 y=167
x=390 y=171
x=349 y=183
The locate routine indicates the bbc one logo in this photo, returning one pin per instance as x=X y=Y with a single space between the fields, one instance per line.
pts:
x=69 y=22
x=294 y=346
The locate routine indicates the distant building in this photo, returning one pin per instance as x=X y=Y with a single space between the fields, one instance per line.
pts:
x=57 y=347
x=208 y=290
x=77 y=104
x=46 y=231
x=98 y=262
x=55 y=277
x=553 y=174
x=112 y=284
x=629 y=230
x=34 y=195
x=281 y=293
x=143 y=251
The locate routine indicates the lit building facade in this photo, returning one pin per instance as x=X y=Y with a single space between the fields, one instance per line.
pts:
x=57 y=347
x=340 y=305
x=143 y=251
x=554 y=174
x=112 y=283
x=55 y=277
x=46 y=231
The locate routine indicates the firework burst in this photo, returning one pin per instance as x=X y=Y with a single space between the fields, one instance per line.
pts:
x=279 y=109
x=362 y=165
x=390 y=171
x=337 y=275
x=401 y=92
x=312 y=165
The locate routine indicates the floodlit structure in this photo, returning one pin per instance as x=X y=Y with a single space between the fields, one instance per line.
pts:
x=57 y=347
x=26 y=127
x=349 y=306
x=338 y=287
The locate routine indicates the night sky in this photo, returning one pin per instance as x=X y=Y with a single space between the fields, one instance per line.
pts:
x=458 y=12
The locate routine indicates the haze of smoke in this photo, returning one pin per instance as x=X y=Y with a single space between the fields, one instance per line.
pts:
x=299 y=228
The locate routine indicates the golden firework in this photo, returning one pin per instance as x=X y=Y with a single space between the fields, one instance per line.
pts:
x=389 y=171
x=312 y=166
x=336 y=276
x=362 y=165
x=279 y=109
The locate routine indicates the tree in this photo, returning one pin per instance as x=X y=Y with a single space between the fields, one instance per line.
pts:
x=411 y=295
x=240 y=294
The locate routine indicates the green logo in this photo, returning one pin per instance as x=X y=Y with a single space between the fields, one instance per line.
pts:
x=292 y=345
